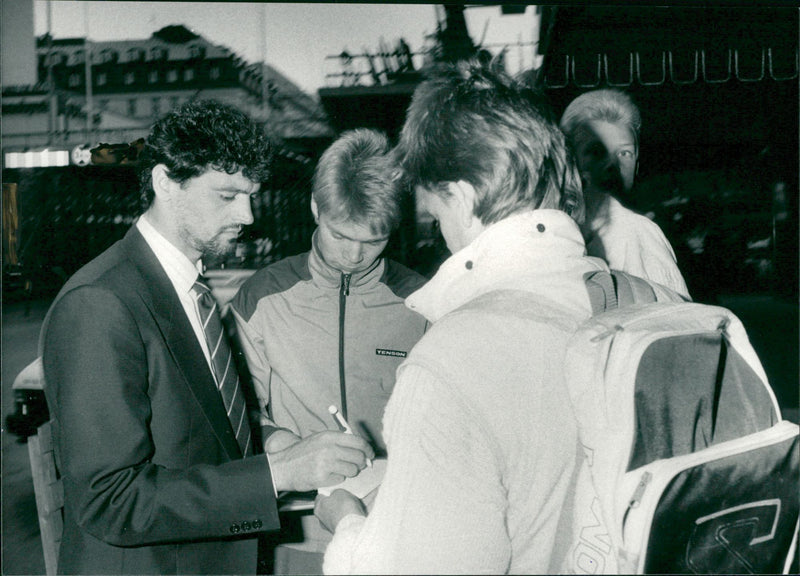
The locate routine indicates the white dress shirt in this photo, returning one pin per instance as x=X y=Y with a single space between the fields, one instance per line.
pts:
x=182 y=272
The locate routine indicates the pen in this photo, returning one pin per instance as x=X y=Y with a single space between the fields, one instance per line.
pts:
x=343 y=425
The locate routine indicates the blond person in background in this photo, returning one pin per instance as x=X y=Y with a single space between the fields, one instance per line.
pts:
x=603 y=128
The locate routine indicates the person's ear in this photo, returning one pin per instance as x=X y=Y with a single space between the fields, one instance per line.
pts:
x=162 y=183
x=464 y=195
x=315 y=210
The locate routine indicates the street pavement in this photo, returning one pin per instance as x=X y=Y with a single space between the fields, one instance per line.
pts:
x=771 y=323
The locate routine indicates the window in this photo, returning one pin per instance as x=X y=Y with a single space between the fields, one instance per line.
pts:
x=158 y=53
x=152 y=76
x=172 y=75
x=214 y=73
x=188 y=75
x=74 y=80
x=107 y=56
x=129 y=78
x=57 y=58
x=135 y=55
x=102 y=79
x=132 y=107
x=197 y=51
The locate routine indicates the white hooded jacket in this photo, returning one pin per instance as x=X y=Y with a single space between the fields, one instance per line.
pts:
x=484 y=456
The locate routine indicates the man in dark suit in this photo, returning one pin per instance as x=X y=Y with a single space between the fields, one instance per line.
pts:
x=154 y=444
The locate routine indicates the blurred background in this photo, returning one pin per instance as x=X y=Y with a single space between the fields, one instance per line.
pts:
x=83 y=81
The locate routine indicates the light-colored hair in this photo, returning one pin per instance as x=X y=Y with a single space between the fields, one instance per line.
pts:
x=357 y=180
x=472 y=122
x=608 y=105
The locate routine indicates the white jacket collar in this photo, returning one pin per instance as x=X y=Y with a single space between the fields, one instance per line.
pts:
x=540 y=251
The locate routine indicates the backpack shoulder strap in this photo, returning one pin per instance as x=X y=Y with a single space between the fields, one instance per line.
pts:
x=610 y=290
x=601 y=289
x=632 y=289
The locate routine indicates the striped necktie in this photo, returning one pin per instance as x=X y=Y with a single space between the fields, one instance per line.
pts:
x=225 y=374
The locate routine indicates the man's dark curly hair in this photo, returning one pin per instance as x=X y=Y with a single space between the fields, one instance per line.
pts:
x=201 y=136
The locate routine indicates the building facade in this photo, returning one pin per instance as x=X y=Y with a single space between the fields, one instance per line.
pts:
x=70 y=140
x=127 y=84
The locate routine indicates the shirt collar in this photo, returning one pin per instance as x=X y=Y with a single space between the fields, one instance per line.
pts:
x=181 y=271
x=540 y=251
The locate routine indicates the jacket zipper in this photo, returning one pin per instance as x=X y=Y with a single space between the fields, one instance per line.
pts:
x=344 y=292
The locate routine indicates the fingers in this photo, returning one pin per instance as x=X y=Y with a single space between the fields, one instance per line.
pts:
x=324 y=511
x=323 y=459
x=341 y=461
x=332 y=480
x=348 y=441
x=331 y=509
x=352 y=456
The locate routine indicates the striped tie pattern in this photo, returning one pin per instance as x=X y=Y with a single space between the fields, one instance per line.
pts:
x=224 y=370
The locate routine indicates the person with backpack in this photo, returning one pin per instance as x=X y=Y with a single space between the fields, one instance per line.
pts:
x=603 y=128
x=484 y=462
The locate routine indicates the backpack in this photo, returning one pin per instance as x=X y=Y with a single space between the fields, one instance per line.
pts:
x=692 y=467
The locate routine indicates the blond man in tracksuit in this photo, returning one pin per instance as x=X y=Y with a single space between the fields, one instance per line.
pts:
x=329 y=326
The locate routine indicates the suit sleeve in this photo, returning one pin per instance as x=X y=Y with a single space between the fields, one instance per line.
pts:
x=98 y=383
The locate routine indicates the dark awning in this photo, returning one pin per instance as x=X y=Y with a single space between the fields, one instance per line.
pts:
x=589 y=47
x=716 y=85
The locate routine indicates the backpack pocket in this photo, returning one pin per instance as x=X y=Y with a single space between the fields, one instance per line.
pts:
x=729 y=509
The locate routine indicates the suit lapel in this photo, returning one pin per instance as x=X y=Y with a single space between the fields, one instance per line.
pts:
x=159 y=296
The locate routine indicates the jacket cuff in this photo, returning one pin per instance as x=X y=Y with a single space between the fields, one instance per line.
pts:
x=268 y=430
x=271 y=477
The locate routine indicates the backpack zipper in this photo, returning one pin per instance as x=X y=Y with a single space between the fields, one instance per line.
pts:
x=636 y=499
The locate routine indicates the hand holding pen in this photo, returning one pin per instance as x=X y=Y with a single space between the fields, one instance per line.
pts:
x=343 y=425
x=322 y=459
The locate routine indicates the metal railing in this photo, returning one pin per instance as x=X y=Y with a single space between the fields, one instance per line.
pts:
x=386 y=66
x=660 y=67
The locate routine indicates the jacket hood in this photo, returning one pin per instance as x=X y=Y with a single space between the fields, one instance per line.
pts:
x=538 y=251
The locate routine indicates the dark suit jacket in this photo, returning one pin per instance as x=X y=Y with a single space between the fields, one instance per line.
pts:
x=154 y=480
